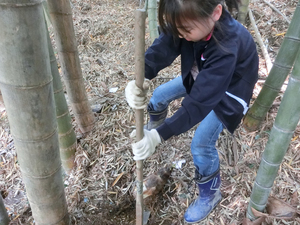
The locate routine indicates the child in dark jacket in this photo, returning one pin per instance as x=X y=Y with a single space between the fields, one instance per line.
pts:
x=219 y=67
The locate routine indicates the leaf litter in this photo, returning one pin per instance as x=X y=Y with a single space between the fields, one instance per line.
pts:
x=100 y=188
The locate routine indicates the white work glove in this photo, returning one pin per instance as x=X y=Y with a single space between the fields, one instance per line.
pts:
x=145 y=147
x=135 y=96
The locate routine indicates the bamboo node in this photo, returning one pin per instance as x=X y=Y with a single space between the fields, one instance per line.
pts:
x=66 y=133
x=29 y=87
x=296 y=39
x=283 y=130
x=271 y=164
x=70 y=148
x=36 y=140
x=257 y=204
x=265 y=188
x=295 y=79
x=282 y=66
x=41 y=177
x=59 y=90
x=62 y=115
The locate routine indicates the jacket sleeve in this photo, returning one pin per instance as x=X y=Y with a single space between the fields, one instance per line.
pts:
x=207 y=91
x=161 y=54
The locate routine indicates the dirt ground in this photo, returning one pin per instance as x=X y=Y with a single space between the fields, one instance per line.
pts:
x=99 y=189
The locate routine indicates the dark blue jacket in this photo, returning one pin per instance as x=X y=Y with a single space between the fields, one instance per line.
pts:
x=228 y=71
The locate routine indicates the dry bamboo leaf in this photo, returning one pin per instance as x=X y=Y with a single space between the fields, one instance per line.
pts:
x=117 y=179
x=295 y=138
x=85 y=155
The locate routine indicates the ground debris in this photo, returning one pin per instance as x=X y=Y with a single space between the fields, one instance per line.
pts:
x=99 y=188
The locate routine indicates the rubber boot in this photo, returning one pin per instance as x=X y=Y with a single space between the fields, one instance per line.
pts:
x=156 y=118
x=208 y=199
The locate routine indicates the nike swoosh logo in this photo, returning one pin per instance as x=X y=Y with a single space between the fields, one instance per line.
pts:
x=202 y=58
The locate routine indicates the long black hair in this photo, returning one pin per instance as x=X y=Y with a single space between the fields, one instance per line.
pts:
x=172 y=13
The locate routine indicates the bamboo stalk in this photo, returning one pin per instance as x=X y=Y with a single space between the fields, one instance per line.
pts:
x=283 y=129
x=140 y=16
x=61 y=18
x=26 y=85
x=260 y=42
x=281 y=68
x=66 y=134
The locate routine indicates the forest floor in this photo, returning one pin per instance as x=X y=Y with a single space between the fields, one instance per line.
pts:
x=99 y=188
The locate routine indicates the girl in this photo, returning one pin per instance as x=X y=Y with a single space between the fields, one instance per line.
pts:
x=219 y=66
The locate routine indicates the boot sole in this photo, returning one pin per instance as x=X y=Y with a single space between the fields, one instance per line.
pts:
x=206 y=216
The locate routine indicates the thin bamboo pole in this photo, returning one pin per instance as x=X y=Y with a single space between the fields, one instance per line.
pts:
x=283 y=129
x=140 y=16
x=261 y=43
x=26 y=85
x=281 y=68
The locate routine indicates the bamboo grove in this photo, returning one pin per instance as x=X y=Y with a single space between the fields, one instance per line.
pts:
x=29 y=80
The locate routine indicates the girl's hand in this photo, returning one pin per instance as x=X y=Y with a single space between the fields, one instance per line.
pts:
x=136 y=97
x=145 y=147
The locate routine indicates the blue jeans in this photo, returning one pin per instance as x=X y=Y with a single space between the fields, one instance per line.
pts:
x=205 y=154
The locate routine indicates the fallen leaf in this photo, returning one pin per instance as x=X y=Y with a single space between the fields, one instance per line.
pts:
x=279 y=209
x=117 y=179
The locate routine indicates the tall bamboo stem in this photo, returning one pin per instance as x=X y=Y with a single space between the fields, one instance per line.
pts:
x=66 y=134
x=140 y=16
x=281 y=68
x=283 y=129
x=61 y=17
x=26 y=85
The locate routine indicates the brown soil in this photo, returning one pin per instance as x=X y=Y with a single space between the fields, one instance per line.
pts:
x=105 y=35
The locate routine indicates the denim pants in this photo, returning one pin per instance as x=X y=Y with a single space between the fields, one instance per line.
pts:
x=205 y=154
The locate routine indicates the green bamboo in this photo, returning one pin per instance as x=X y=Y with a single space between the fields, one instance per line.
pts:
x=280 y=70
x=66 y=134
x=26 y=85
x=243 y=11
x=61 y=17
x=4 y=220
x=283 y=129
x=152 y=19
